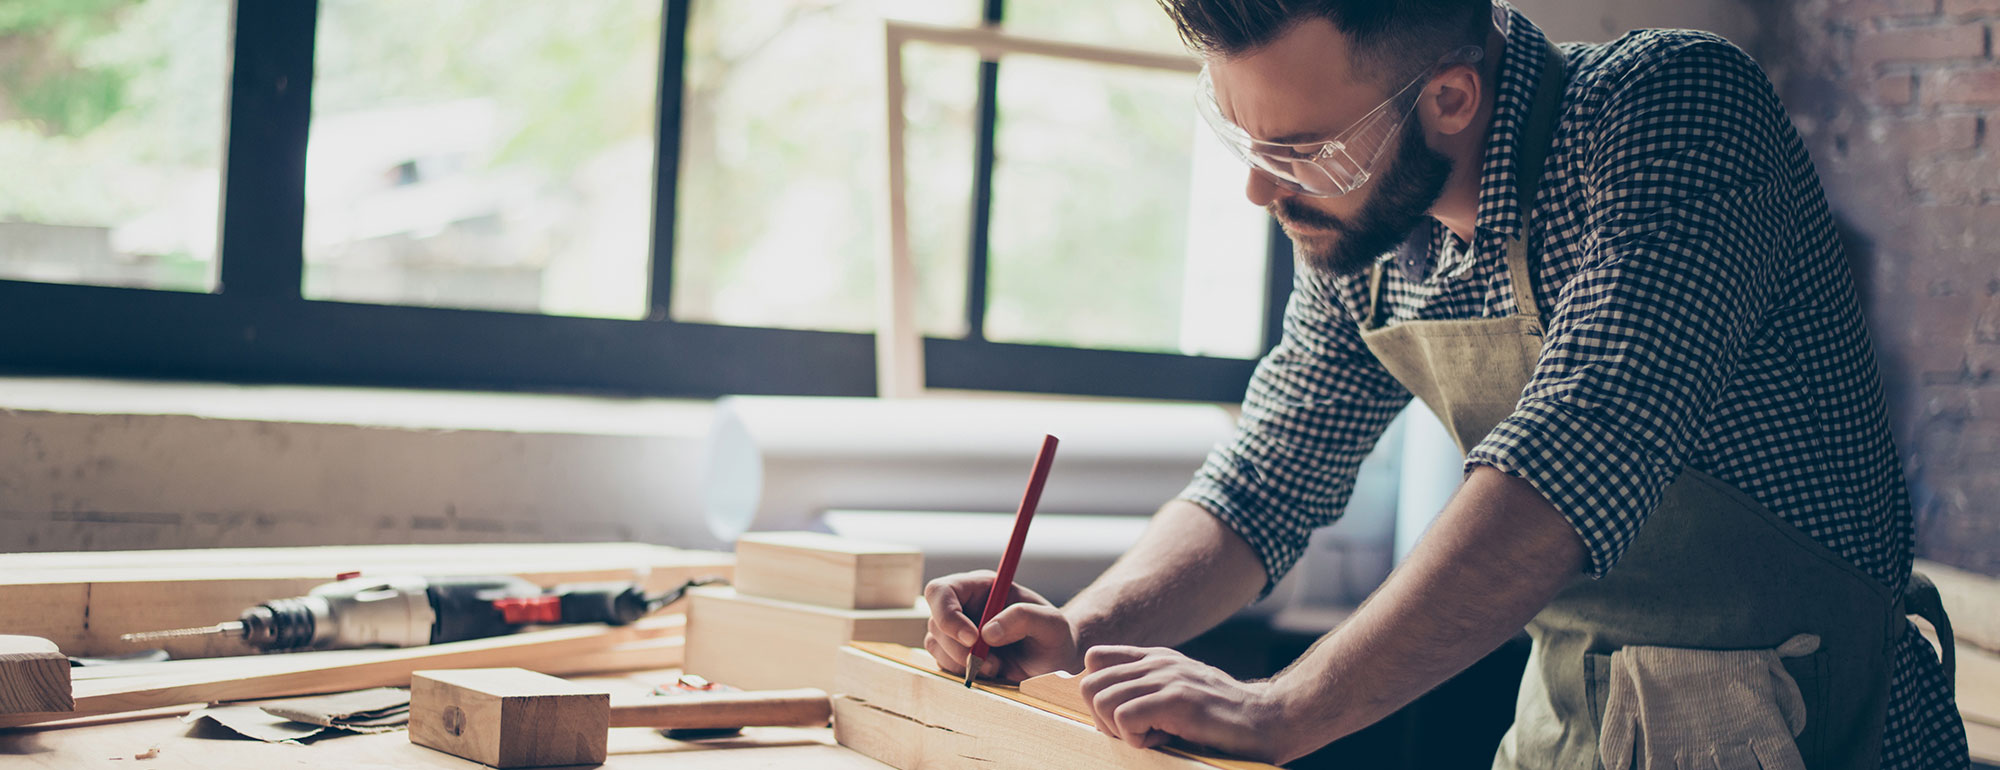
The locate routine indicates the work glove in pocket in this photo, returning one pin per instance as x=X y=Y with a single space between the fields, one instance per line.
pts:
x=1673 y=708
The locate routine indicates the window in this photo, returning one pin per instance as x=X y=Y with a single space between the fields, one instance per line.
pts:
x=683 y=197
x=782 y=163
x=111 y=137
x=483 y=154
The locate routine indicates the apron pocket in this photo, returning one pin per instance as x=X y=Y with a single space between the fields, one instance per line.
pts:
x=1670 y=707
x=1811 y=674
x=1596 y=687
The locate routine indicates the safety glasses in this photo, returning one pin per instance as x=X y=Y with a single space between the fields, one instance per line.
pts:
x=1333 y=167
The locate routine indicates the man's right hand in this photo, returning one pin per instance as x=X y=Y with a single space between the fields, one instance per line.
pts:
x=1028 y=637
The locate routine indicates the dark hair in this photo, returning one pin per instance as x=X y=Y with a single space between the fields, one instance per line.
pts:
x=1393 y=39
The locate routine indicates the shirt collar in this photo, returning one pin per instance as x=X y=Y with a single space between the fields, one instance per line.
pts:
x=1521 y=63
x=1520 y=69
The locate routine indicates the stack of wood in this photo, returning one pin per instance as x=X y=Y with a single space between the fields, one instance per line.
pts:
x=798 y=598
x=1973 y=601
x=82 y=602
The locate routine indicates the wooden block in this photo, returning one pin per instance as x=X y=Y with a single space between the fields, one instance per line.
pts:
x=756 y=643
x=917 y=717
x=508 y=717
x=828 y=570
x=34 y=676
x=84 y=601
x=1061 y=689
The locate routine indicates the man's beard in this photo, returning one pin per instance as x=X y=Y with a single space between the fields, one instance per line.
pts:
x=1401 y=197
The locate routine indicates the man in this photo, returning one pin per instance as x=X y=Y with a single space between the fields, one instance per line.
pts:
x=1611 y=271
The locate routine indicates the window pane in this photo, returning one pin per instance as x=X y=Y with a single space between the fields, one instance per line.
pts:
x=111 y=140
x=483 y=154
x=781 y=200
x=1124 y=23
x=1115 y=224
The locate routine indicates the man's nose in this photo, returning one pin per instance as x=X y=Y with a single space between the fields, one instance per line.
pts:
x=1260 y=189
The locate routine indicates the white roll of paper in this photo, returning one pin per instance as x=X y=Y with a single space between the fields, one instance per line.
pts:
x=781 y=462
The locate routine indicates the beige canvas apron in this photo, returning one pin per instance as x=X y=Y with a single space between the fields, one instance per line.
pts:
x=1710 y=570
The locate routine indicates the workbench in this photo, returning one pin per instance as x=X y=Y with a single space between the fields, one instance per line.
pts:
x=206 y=746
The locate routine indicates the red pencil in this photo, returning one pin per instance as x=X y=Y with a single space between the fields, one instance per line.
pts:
x=1003 y=581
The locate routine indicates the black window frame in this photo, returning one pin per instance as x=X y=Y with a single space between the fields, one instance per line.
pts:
x=257 y=327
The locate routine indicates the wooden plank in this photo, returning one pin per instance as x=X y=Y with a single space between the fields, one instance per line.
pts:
x=186 y=747
x=1978 y=686
x=828 y=570
x=1972 y=600
x=544 y=651
x=765 y=644
x=892 y=707
x=84 y=601
x=1060 y=689
x=34 y=676
x=1984 y=742
x=662 y=648
x=508 y=717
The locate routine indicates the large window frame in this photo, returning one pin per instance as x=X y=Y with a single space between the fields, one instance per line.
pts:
x=257 y=327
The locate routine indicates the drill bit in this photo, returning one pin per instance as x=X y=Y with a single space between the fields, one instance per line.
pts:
x=230 y=627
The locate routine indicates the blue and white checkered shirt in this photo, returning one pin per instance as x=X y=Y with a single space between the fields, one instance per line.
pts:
x=1700 y=313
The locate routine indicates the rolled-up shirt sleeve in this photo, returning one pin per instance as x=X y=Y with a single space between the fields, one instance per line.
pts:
x=1316 y=405
x=1690 y=205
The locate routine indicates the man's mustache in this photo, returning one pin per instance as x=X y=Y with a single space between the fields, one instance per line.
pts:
x=1292 y=212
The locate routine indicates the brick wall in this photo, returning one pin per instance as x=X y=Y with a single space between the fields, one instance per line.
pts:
x=1898 y=101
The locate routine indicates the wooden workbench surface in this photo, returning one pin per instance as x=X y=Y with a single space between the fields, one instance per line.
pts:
x=205 y=746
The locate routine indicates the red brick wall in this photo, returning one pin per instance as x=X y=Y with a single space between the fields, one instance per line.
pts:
x=1898 y=101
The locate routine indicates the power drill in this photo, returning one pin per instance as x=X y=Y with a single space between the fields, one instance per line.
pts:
x=412 y=611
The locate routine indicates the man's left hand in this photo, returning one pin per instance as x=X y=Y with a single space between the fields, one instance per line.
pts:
x=1147 y=695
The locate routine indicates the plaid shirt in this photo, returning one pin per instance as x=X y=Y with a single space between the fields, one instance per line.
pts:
x=1700 y=314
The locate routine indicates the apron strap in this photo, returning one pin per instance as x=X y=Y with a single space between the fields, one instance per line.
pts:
x=1920 y=598
x=1375 y=304
x=1535 y=141
x=1534 y=148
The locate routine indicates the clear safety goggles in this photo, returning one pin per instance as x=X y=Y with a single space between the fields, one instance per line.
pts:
x=1333 y=167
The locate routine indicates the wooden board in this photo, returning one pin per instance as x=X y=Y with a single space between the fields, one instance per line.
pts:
x=1972 y=600
x=181 y=746
x=84 y=601
x=34 y=676
x=1060 y=689
x=311 y=673
x=1978 y=686
x=765 y=644
x=827 y=570
x=893 y=703
x=1984 y=742
x=508 y=717
x=652 y=652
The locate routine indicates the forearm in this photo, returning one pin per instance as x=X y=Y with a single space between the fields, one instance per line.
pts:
x=1187 y=573
x=1497 y=554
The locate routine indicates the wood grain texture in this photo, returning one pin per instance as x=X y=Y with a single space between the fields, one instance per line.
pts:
x=802 y=707
x=754 y=643
x=508 y=717
x=1061 y=689
x=827 y=570
x=34 y=676
x=892 y=703
x=313 y=673
x=84 y=601
x=654 y=652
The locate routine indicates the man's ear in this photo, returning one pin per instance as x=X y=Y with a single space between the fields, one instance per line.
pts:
x=1451 y=99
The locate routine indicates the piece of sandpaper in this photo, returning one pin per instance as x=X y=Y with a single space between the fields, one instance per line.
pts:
x=380 y=710
x=382 y=706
